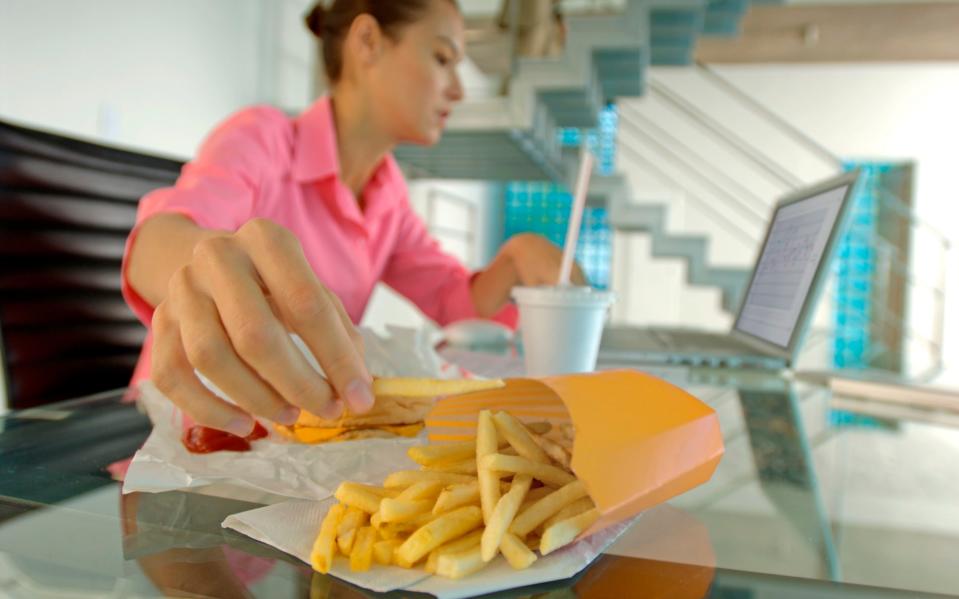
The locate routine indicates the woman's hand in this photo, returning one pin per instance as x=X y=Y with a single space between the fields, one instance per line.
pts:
x=228 y=313
x=526 y=259
x=537 y=261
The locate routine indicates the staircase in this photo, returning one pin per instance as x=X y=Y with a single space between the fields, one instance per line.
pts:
x=607 y=57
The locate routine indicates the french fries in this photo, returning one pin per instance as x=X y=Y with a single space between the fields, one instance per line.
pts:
x=422 y=387
x=519 y=438
x=516 y=552
x=509 y=492
x=565 y=531
x=445 y=527
x=406 y=478
x=503 y=515
x=537 y=513
x=486 y=444
x=461 y=544
x=324 y=548
x=547 y=473
x=362 y=555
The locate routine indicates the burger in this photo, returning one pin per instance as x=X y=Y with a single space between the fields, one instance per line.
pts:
x=400 y=409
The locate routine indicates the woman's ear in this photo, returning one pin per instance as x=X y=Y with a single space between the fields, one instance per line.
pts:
x=365 y=39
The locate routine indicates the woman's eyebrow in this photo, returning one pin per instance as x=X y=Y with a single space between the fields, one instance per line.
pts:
x=449 y=42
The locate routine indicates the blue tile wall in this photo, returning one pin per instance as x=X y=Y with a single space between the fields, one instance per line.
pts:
x=543 y=208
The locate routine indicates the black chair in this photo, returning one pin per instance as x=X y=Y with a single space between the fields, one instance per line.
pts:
x=66 y=208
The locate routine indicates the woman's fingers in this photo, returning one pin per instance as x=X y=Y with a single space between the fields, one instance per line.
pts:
x=256 y=334
x=173 y=375
x=310 y=309
x=208 y=349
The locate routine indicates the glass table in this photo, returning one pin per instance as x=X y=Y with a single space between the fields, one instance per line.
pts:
x=816 y=496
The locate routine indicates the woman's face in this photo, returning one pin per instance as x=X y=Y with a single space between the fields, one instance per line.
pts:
x=413 y=83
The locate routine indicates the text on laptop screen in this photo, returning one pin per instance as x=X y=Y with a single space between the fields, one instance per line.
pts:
x=787 y=265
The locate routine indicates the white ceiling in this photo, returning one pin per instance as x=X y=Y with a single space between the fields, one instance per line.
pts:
x=479 y=8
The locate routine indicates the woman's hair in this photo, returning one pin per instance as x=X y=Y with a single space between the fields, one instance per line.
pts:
x=333 y=23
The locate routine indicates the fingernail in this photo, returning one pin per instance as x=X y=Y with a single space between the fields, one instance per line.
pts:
x=288 y=416
x=240 y=426
x=359 y=394
x=332 y=410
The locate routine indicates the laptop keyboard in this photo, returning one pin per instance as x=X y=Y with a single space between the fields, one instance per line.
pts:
x=694 y=340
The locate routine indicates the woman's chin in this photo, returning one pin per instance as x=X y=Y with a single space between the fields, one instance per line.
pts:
x=426 y=138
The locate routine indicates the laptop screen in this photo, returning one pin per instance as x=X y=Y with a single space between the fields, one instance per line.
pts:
x=787 y=265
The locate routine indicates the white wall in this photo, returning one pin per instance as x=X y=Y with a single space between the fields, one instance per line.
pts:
x=149 y=75
x=881 y=112
x=153 y=76
x=466 y=219
x=890 y=112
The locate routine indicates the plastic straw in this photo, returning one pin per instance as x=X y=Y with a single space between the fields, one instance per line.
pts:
x=575 y=217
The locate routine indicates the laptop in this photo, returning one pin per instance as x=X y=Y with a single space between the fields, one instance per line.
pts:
x=780 y=298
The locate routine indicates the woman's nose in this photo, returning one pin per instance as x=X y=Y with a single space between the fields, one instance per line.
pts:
x=455 y=90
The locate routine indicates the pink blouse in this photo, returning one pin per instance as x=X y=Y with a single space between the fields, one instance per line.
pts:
x=261 y=163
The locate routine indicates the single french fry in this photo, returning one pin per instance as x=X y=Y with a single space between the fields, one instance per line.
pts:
x=540 y=427
x=424 y=387
x=397 y=530
x=519 y=438
x=562 y=437
x=467 y=466
x=401 y=510
x=383 y=551
x=503 y=515
x=353 y=518
x=406 y=478
x=441 y=453
x=362 y=555
x=565 y=531
x=546 y=473
x=420 y=520
x=537 y=513
x=425 y=489
x=444 y=528
x=516 y=552
x=455 y=496
x=345 y=541
x=380 y=491
x=461 y=544
x=574 y=509
x=324 y=547
x=427 y=455
x=487 y=442
x=356 y=496
x=554 y=450
x=538 y=493
x=458 y=565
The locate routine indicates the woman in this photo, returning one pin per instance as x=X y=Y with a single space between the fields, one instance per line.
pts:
x=284 y=224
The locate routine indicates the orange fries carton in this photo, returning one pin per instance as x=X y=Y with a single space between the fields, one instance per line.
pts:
x=636 y=440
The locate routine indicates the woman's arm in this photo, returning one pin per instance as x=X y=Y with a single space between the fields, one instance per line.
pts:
x=526 y=259
x=222 y=290
x=163 y=245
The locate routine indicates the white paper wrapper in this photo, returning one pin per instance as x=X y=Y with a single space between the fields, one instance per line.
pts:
x=291 y=527
x=275 y=465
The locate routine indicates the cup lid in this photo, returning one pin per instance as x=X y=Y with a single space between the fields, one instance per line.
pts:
x=565 y=295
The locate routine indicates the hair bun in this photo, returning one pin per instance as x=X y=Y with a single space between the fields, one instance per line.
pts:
x=315 y=18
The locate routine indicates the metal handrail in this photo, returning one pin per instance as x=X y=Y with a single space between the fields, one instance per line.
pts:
x=746 y=209
x=769 y=115
x=740 y=234
x=725 y=133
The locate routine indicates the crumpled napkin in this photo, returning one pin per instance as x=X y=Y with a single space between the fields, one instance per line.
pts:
x=291 y=526
x=274 y=464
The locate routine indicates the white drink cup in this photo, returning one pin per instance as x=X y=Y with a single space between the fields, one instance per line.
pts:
x=561 y=327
